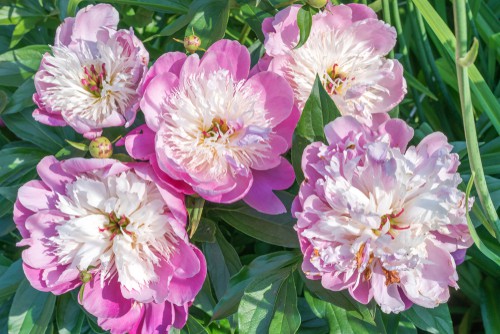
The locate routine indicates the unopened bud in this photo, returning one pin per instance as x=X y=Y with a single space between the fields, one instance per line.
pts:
x=317 y=3
x=192 y=43
x=85 y=276
x=101 y=148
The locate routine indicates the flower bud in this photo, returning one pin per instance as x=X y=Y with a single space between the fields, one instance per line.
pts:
x=192 y=43
x=85 y=276
x=101 y=148
x=317 y=3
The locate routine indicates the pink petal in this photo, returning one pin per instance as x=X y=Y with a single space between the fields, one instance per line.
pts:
x=229 y=55
x=152 y=103
x=92 y=18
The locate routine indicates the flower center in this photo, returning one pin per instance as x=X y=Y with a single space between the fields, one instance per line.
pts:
x=218 y=129
x=335 y=81
x=93 y=78
x=389 y=225
x=116 y=225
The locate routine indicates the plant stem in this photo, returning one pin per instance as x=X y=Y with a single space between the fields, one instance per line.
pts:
x=459 y=12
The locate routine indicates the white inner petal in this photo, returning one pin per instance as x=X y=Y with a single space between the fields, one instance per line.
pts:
x=213 y=126
x=66 y=93
x=84 y=241
x=354 y=60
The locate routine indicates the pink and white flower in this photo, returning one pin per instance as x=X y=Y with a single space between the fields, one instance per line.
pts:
x=379 y=219
x=93 y=76
x=119 y=230
x=346 y=48
x=216 y=129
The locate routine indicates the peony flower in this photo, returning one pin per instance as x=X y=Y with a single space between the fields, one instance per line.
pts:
x=93 y=76
x=117 y=229
x=216 y=129
x=379 y=219
x=346 y=48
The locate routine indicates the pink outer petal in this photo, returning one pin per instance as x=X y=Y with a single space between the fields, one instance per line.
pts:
x=50 y=171
x=333 y=18
x=380 y=36
x=261 y=66
x=140 y=143
x=68 y=280
x=189 y=275
x=287 y=127
x=158 y=318
x=177 y=185
x=388 y=297
x=232 y=191
x=181 y=315
x=361 y=12
x=127 y=323
x=229 y=55
x=433 y=143
x=341 y=128
x=395 y=83
x=363 y=292
x=106 y=301
x=400 y=133
x=286 y=32
x=47 y=118
x=20 y=215
x=91 y=19
x=261 y=196
x=64 y=32
x=155 y=95
x=278 y=103
x=36 y=196
x=170 y=62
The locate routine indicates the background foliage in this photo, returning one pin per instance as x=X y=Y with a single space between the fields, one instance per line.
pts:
x=254 y=282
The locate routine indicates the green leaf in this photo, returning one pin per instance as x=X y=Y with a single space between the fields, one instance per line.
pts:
x=434 y=320
x=22 y=98
x=71 y=8
x=286 y=317
x=164 y=6
x=69 y=315
x=48 y=138
x=10 y=280
x=256 y=309
x=275 y=230
x=205 y=231
x=304 y=21
x=228 y=304
x=319 y=110
x=339 y=320
x=194 y=327
x=209 y=20
x=18 y=162
x=18 y=65
x=490 y=305
x=254 y=16
x=483 y=97
x=415 y=83
x=31 y=310
x=471 y=55
x=298 y=147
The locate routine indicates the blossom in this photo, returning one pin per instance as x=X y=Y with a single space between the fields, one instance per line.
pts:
x=117 y=229
x=346 y=48
x=93 y=76
x=379 y=219
x=217 y=130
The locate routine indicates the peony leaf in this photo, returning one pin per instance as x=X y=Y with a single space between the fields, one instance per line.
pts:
x=209 y=20
x=31 y=310
x=69 y=315
x=18 y=65
x=264 y=264
x=286 y=317
x=433 y=320
x=304 y=21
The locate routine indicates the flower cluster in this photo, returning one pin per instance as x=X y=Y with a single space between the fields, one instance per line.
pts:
x=374 y=216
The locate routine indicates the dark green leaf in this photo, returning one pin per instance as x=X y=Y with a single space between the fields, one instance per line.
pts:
x=228 y=304
x=255 y=312
x=194 y=327
x=31 y=310
x=69 y=315
x=164 y=6
x=286 y=317
x=18 y=65
x=319 y=110
x=209 y=20
x=276 y=230
x=304 y=21
x=434 y=320
x=490 y=305
x=299 y=144
x=10 y=280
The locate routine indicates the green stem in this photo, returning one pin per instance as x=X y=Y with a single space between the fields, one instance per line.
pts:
x=244 y=34
x=460 y=17
x=386 y=12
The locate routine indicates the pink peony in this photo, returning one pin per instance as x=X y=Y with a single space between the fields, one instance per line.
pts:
x=217 y=130
x=380 y=219
x=92 y=79
x=120 y=230
x=346 y=48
